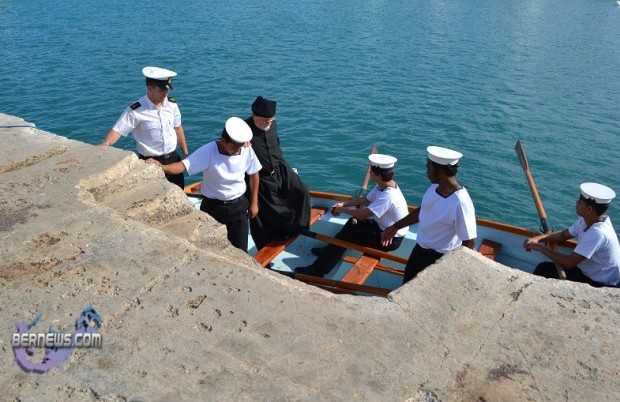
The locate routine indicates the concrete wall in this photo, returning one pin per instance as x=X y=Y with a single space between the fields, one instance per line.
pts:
x=186 y=316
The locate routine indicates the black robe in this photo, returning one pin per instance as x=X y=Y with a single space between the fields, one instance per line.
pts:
x=283 y=199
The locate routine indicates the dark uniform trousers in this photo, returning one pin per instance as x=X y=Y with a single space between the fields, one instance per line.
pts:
x=366 y=233
x=168 y=159
x=284 y=205
x=419 y=259
x=548 y=270
x=233 y=214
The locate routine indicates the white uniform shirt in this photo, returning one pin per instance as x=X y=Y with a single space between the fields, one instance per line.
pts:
x=152 y=127
x=445 y=222
x=599 y=244
x=223 y=175
x=388 y=206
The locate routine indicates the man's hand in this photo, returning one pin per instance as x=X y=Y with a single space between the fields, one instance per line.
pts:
x=335 y=207
x=253 y=210
x=387 y=235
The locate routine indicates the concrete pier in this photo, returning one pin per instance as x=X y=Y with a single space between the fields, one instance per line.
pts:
x=186 y=316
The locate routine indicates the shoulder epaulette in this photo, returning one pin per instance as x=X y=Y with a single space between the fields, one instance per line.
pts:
x=172 y=100
x=134 y=106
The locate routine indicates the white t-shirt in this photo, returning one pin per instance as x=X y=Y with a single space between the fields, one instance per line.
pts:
x=388 y=206
x=223 y=175
x=152 y=127
x=599 y=244
x=445 y=222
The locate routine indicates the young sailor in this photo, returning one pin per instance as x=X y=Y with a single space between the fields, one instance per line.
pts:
x=446 y=215
x=224 y=164
x=155 y=122
x=596 y=259
x=385 y=205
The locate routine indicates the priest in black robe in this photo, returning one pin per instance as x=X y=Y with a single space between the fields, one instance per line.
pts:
x=283 y=199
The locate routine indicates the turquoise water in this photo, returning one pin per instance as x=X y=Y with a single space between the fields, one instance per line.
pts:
x=473 y=76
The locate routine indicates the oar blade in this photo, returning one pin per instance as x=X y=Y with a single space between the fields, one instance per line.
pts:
x=521 y=156
x=364 y=188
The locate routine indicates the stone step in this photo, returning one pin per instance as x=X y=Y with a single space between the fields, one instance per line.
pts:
x=156 y=202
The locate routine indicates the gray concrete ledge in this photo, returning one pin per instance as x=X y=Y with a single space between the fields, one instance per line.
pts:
x=189 y=317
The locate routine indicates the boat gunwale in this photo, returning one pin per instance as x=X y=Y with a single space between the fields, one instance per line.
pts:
x=191 y=190
x=480 y=221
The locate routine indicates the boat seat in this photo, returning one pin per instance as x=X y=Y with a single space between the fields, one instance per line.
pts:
x=489 y=249
x=361 y=270
x=271 y=250
x=379 y=266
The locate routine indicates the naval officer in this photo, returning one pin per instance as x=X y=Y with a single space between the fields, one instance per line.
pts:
x=155 y=122
x=446 y=215
x=596 y=259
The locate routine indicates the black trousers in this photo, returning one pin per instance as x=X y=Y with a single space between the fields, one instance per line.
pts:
x=234 y=215
x=548 y=270
x=365 y=233
x=168 y=159
x=283 y=206
x=419 y=259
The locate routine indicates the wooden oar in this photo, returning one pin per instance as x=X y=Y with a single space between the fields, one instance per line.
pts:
x=331 y=283
x=353 y=246
x=364 y=188
x=544 y=224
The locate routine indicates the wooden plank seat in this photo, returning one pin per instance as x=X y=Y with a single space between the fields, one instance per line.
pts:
x=489 y=249
x=361 y=269
x=379 y=266
x=340 y=286
x=271 y=250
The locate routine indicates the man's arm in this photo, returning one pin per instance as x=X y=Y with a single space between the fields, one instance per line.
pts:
x=390 y=231
x=254 y=182
x=359 y=214
x=173 y=168
x=181 y=140
x=470 y=243
x=411 y=219
x=565 y=261
x=110 y=139
x=553 y=237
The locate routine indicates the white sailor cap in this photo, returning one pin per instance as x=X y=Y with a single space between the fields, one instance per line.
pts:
x=443 y=156
x=158 y=73
x=382 y=161
x=238 y=130
x=162 y=75
x=598 y=193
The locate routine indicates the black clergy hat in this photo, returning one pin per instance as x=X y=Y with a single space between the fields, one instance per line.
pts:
x=264 y=107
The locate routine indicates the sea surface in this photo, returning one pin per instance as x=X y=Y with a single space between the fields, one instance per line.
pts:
x=474 y=76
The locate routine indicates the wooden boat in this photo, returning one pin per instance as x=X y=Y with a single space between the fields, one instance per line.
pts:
x=368 y=271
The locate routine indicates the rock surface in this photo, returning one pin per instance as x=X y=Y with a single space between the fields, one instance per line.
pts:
x=188 y=317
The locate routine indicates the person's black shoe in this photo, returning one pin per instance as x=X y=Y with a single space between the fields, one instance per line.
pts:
x=316 y=250
x=309 y=270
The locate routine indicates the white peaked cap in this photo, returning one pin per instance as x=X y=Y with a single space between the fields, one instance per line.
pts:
x=238 y=130
x=443 y=156
x=382 y=161
x=599 y=193
x=158 y=73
